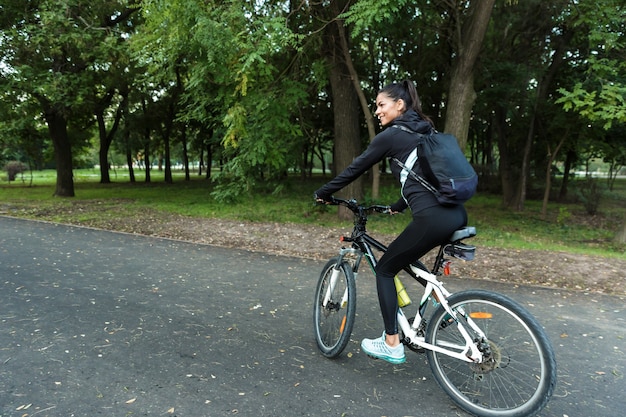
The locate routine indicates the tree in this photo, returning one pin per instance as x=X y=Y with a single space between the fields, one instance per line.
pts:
x=22 y=134
x=53 y=49
x=463 y=25
x=226 y=54
x=356 y=83
x=601 y=97
x=347 y=141
x=106 y=137
x=526 y=52
x=469 y=26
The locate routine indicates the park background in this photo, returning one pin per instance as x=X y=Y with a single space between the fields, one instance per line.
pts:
x=240 y=109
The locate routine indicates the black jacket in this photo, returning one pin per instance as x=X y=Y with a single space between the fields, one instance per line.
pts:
x=390 y=143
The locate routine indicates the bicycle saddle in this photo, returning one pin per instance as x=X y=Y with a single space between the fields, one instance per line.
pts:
x=468 y=231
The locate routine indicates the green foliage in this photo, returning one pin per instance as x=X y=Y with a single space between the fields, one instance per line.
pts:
x=365 y=13
x=601 y=97
x=57 y=59
x=231 y=83
x=608 y=105
x=563 y=216
x=249 y=80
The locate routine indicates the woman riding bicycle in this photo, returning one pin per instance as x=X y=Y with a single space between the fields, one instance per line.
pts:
x=398 y=104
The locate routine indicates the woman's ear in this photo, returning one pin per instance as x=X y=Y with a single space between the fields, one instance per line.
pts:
x=400 y=105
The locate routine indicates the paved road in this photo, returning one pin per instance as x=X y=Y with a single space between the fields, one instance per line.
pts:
x=99 y=323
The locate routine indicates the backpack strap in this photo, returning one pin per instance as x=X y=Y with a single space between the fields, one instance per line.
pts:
x=423 y=162
x=417 y=177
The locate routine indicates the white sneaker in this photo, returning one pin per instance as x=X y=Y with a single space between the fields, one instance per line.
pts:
x=379 y=349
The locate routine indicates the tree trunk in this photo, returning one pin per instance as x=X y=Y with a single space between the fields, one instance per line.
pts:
x=107 y=138
x=525 y=169
x=146 y=140
x=57 y=127
x=620 y=237
x=369 y=118
x=567 y=166
x=542 y=93
x=505 y=167
x=201 y=162
x=148 y=162
x=103 y=160
x=461 y=95
x=209 y=159
x=185 y=153
x=167 y=131
x=347 y=143
x=551 y=158
x=129 y=156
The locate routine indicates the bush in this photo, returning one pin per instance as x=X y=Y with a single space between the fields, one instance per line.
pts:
x=590 y=192
x=13 y=168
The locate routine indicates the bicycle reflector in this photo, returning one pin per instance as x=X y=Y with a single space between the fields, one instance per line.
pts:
x=446 y=268
x=481 y=315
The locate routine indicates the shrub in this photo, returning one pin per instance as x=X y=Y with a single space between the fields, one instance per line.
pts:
x=590 y=192
x=13 y=168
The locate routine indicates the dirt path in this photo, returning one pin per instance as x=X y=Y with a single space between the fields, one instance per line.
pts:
x=549 y=269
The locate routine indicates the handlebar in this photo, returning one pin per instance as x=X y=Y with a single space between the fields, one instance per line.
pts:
x=354 y=206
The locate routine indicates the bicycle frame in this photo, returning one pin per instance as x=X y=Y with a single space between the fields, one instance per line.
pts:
x=362 y=245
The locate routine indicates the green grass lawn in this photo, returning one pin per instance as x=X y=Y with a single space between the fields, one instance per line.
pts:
x=566 y=228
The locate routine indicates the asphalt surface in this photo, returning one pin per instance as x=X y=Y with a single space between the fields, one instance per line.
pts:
x=95 y=323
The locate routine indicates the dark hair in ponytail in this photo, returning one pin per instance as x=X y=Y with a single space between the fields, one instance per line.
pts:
x=408 y=93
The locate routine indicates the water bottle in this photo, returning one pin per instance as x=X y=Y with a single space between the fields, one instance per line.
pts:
x=403 y=298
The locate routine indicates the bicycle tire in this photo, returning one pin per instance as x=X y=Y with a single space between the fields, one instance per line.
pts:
x=333 y=323
x=520 y=378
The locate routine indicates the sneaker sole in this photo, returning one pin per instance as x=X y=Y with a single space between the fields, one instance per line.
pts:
x=390 y=359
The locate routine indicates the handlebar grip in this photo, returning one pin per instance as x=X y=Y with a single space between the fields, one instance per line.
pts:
x=323 y=201
x=382 y=209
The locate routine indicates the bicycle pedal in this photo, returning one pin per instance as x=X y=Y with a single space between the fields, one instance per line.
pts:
x=416 y=349
x=412 y=346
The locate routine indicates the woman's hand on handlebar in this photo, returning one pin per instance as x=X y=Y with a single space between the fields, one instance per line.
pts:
x=322 y=199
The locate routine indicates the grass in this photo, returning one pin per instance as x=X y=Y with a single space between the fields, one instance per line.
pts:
x=566 y=228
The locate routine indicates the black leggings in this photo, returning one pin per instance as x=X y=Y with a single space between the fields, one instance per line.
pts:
x=429 y=228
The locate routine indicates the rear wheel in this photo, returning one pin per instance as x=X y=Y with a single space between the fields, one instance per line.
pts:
x=335 y=308
x=518 y=375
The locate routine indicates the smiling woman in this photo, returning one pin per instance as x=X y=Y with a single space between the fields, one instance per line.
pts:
x=398 y=105
x=388 y=109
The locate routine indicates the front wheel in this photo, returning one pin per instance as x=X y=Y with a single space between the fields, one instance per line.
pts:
x=335 y=308
x=518 y=374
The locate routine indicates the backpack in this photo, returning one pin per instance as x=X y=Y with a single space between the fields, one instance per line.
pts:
x=446 y=171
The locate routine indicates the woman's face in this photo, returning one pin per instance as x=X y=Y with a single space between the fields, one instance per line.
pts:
x=388 y=109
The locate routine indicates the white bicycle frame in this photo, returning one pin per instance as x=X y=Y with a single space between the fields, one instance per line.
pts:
x=468 y=352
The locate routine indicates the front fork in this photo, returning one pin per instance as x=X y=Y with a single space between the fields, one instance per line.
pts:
x=337 y=271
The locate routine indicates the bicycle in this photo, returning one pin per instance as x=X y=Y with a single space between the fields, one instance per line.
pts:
x=486 y=351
